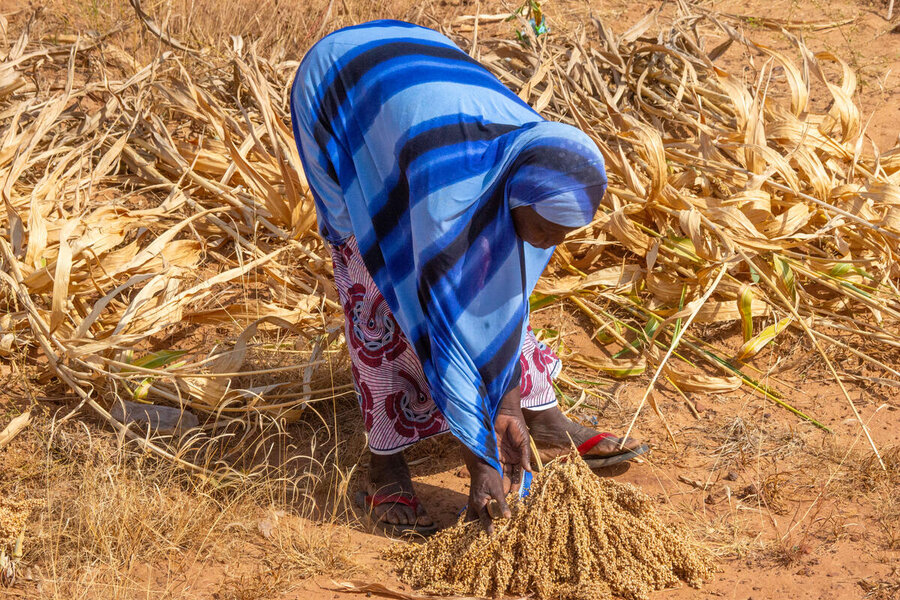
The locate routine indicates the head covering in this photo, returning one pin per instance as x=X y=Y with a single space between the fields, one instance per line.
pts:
x=419 y=152
x=560 y=175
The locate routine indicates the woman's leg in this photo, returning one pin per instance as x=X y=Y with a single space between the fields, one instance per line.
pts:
x=552 y=431
x=396 y=406
x=540 y=366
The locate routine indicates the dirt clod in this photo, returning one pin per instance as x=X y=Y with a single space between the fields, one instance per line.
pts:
x=575 y=537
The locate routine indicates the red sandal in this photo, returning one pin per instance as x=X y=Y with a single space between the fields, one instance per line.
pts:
x=614 y=459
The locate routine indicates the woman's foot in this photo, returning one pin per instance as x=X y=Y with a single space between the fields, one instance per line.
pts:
x=388 y=476
x=554 y=433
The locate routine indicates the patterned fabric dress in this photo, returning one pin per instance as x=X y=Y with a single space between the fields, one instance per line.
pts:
x=396 y=404
x=420 y=154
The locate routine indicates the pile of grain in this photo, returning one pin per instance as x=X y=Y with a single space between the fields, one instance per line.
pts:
x=575 y=537
x=13 y=517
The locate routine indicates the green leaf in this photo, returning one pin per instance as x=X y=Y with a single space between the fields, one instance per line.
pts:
x=544 y=333
x=649 y=329
x=680 y=306
x=568 y=400
x=754 y=274
x=155 y=360
x=539 y=300
x=840 y=269
x=682 y=246
x=783 y=269
x=141 y=391
x=605 y=338
x=617 y=368
x=652 y=325
x=745 y=307
x=752 y=346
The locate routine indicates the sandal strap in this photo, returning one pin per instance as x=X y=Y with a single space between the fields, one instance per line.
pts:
x=404 y=499
x=587 y=446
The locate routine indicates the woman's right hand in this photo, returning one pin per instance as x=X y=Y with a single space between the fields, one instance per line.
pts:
x=486 y=484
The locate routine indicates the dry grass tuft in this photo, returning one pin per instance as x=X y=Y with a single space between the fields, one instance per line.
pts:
x=159 y=242
x=575 y=536
x=111 y=522
x=863 y=477
x=881 y=590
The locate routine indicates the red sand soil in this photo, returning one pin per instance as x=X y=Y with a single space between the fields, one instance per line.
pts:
x=816 y=547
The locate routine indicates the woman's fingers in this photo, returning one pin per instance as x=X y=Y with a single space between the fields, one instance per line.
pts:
x=495 y=488
x=479 y=508
x=495 y=493
x=484 y=515
x=513 y=472
x=512 y=437
x=485 y=487
x=501 y=504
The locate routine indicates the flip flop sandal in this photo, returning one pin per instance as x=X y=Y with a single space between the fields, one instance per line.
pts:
x=607 y=461
x=368 y=503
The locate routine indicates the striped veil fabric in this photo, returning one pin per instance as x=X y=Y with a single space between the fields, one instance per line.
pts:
x=418 y=152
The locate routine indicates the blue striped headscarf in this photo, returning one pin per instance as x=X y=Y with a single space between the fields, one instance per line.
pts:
x=418 y=151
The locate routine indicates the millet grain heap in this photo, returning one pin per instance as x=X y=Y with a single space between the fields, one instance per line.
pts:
x=13 y=518
x=575 y=537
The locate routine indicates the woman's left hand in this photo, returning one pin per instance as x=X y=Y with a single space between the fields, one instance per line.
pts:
x=515 y=455
x=512 y=439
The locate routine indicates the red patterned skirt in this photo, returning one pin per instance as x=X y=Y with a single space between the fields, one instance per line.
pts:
x=393 y=394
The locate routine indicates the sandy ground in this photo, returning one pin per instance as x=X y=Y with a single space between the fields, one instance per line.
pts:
x=817 y=542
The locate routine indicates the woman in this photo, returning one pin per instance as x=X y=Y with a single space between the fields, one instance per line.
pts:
x=442 y=195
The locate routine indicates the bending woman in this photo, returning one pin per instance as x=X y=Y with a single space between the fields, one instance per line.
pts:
x=442 y=196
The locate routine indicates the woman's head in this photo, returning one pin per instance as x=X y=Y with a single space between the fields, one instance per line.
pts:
x=555 y=184
x=536 y=230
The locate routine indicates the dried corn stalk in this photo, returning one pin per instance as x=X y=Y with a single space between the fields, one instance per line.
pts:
x=154 y=199
x=148 y=200
x=707 y=170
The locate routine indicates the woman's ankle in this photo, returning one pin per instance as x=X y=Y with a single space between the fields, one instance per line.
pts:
x=546 y=418
x=388 y=468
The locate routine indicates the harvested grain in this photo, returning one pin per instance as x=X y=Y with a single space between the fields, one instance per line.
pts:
x=575 y=537
x=13 y=517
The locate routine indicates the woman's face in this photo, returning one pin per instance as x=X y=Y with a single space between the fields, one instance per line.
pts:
x=536 y=230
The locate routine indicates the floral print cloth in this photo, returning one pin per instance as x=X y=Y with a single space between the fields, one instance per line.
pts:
x=393 y=394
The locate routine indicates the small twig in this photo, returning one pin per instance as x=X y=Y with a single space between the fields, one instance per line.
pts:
x=652 y=400
x=151 y=25
x=536 y=453
x=684 y=397
x=473 y=51
x=695 y=483
x=324 y=23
